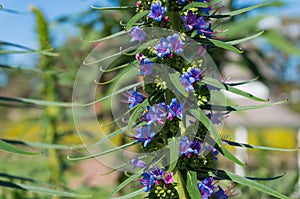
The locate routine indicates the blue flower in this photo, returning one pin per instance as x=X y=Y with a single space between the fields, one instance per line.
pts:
x=187 y=82
x=146 y=67
x=156 y=114
x=162 y=49
x=135 y=98
x=196 y=74
x=175 y=43
x=220 y=194
x=206 y=188
x=190 y=21
x=138 y=163
x=188 y=148
x=144 y=134
x=147 y=181
x=137 y=34
x=157 y=11
x=206 y=31
x=175 y=110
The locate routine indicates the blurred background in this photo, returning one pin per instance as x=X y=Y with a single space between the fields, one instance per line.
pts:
x=30 y=25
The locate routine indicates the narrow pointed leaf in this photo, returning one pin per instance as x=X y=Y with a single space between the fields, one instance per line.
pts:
x=238 y=41
x=253 y=184
x=123 y=184
x=239 y=108
x=131 y=195
x=243 y=10
x=136 y=114
x=241 y=83
x=84 y=157
x=191 y=185
x=106 y=38
x=223 y=45
x=4 y=146
x=135 y=18
x=48 y=191
x=216 y=83
x=200 y=4
x=113 y=8
x=174 y=153
x=249 y=146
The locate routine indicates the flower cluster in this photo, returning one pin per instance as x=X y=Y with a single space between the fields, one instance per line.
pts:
x=166 y=46
x=160 y=118
x=208 y=190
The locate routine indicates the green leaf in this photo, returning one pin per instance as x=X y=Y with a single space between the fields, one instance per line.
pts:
x=135 y=18
x=249 y=146
x=106 y=38
x=238 y=41
x=241 y=83
x=123 y=184
x=113 y=8
x=174 y=153
x=42 y=52
x=243 y=10
x=48 y=191
x=175 y=79
x=180 y=187
x=200 y=5
x=64 y=104
x=239 y=108
x=202 y=117
x=277 y=40
x=252 y=184
x=231 y=157
x=221 y=44
x=191 y=185
x=135 y=193
x=216 y=83
x=4 y=146
x=84 y=157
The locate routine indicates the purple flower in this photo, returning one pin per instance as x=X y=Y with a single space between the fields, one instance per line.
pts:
x=168 y=179
x=147 y=181
x=206 y=188
x=162 y=49
x=188 y=148
x=135 y=98
x=175 y=110
x=156 y=114
x=138 y=163
x=196 y=74
x=190 y=21
x=137 y=34
x=175 y=43
x=206 y=31
x=201 y=24
x=187 y=82
x=146 y=67
x=144 y=134
x=157 y=11
x=220 y=194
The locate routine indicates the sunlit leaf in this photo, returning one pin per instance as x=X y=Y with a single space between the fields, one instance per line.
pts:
x=238 y=41
x=133 y=194
x=191 y=185
x=123 y=184
x=250 y=183
x=135 y=18
x=4 y=146
x=217 y=84
x=113 y=8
